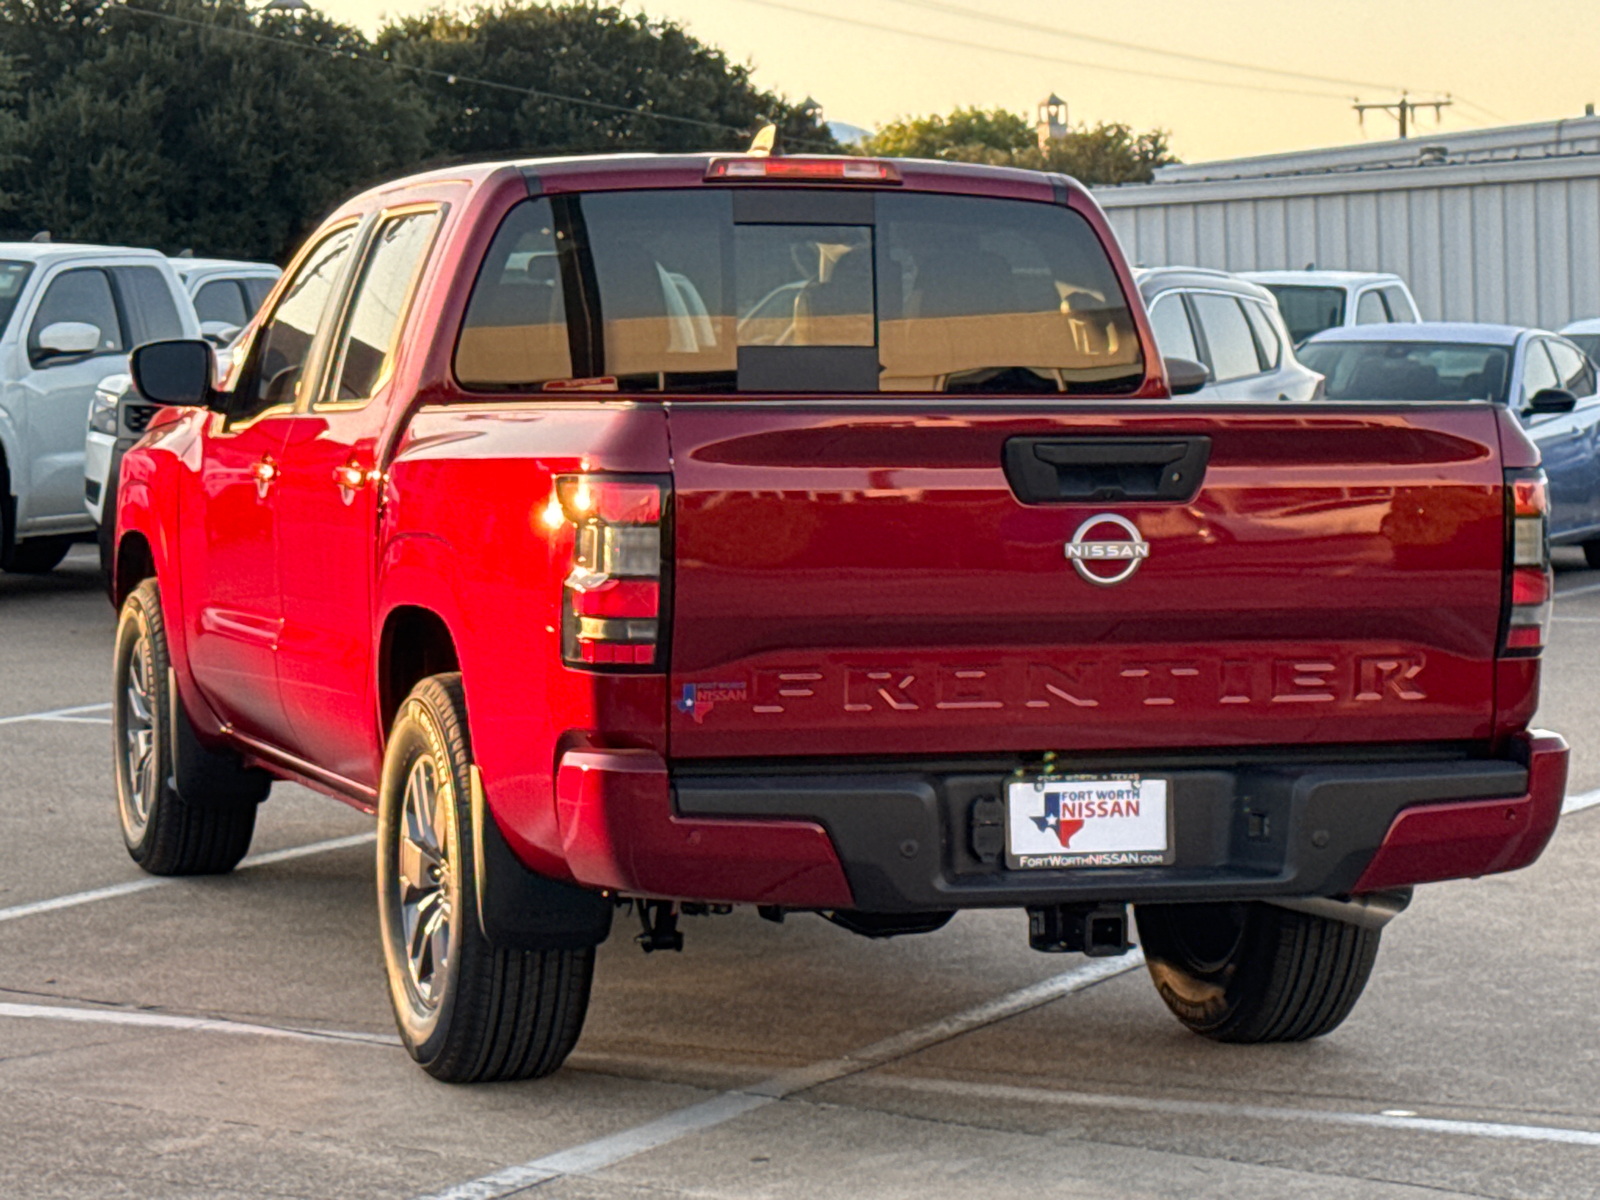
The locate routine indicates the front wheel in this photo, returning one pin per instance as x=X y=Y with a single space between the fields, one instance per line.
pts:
x=1253 y=972
x=38 y=556
x=165 y=834
x=467 y=1011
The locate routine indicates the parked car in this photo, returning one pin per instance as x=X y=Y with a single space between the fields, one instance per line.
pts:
x=1585 y=335
x=1313 y=300
x=1228 y=325
x=226 y=294
x=527 y=519
x=68 y=316
x=1545 y=380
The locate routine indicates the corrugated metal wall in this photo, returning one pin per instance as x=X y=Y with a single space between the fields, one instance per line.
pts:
x=1523 y=252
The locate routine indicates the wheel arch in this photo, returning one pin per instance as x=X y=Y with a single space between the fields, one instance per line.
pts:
x=135 y=562
x=416 y=642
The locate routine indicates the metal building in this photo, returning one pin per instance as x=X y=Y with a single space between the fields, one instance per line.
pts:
x=1499 y=225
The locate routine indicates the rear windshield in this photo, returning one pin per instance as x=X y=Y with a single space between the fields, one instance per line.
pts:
x=12 y=276
x=1410 y=370
x=1308 y=310
x=720 y=291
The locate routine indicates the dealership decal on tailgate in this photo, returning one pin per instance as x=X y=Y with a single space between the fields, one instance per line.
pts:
x=1087 y=821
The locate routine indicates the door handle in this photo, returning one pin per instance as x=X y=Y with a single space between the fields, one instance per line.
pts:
x=350 y=476
x=265 y=472
x=1064 y=470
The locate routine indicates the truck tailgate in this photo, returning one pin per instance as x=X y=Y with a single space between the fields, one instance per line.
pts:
x=862 y=578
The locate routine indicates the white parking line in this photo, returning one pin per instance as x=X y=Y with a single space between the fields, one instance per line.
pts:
x=146 y=884
x=1255 y=1112
x=1580 y=802
x=607 y=1151
x=1578 y=591
x=152 y=1020
x=70 y=715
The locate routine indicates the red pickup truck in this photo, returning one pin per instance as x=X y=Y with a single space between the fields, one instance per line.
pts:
x=824 y=535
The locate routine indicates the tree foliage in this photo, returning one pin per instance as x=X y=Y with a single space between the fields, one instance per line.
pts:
x=206 y=124
x=1108 y=152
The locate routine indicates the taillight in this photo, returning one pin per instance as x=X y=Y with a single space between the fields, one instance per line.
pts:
x=611 y=607
x=1531 y=583
x=819 y=170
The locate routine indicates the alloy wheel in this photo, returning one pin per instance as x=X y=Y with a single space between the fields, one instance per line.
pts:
x=424 y=879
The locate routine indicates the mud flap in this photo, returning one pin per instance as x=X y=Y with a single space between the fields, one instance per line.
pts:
x=205 y=778
x=519 y=909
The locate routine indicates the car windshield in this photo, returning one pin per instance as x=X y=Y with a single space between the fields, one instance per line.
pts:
x=779 y=290
x=12 y=276
x=1307 y=310
x=1410 y=370
x=1589 y=343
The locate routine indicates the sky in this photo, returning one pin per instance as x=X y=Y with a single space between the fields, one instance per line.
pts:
x=871 y=61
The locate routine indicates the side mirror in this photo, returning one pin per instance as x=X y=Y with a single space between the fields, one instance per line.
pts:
x=1185 y=376
x=176 y=373
x=219 y=333
x=68 y=338
x=1552 y=400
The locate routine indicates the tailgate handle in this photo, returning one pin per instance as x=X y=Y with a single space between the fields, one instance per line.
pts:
x=1056 y=470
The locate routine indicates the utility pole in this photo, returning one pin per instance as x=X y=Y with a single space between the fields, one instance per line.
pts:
x=1403 y=109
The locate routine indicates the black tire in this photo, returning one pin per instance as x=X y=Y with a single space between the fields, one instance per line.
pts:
x=1255 y=972
x=38 y=556
x=1591 y=553
x=164 y=834
x=483 y=1014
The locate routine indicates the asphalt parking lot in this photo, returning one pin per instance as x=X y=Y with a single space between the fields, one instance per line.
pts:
x=231 y=1037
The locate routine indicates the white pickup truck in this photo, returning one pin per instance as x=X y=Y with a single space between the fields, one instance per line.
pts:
x=69 y=315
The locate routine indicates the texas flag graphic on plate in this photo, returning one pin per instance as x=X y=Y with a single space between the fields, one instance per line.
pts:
x=1056 y=821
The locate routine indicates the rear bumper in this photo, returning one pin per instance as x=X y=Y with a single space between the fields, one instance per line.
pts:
x=899 y=838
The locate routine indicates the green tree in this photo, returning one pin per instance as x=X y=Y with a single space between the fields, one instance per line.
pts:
x=649 y=84
x=1108 y=152
x=170 y=123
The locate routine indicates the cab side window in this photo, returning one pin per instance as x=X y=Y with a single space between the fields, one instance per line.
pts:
x=1400 y=307
x=222 y=300
x=393 y=264
x=1575 y=371
x=1370 y=309
x=81 y=296
x=278 y=358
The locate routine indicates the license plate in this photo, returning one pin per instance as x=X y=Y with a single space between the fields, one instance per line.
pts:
x=1057 y=821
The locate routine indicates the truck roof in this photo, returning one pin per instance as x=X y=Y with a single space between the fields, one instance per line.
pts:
x=42 y=252
x=611 y=171
x=1466 y=332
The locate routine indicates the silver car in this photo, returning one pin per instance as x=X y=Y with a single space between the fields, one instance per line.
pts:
x=1229 y=326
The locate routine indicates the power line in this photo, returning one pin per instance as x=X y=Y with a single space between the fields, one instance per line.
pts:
x=449 y=77
x=961 y=10
x=1049 y=58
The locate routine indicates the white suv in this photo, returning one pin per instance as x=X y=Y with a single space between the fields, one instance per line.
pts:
x=1313 y=300
x=226 y=292
x=68 y=317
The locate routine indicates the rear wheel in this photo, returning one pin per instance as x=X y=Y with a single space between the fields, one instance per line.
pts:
x=1254 y=972
x=467 y=1011
x=1591 y=553
x=37 y=556
x=165 y=834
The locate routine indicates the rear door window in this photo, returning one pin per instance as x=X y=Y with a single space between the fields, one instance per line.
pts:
x=1231 y=345
x=222 y=300
x=1400 y=307
x=152 y=314
x=774 y=290
x=394 y=261
x=1169 y=321
x=1267 y=340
